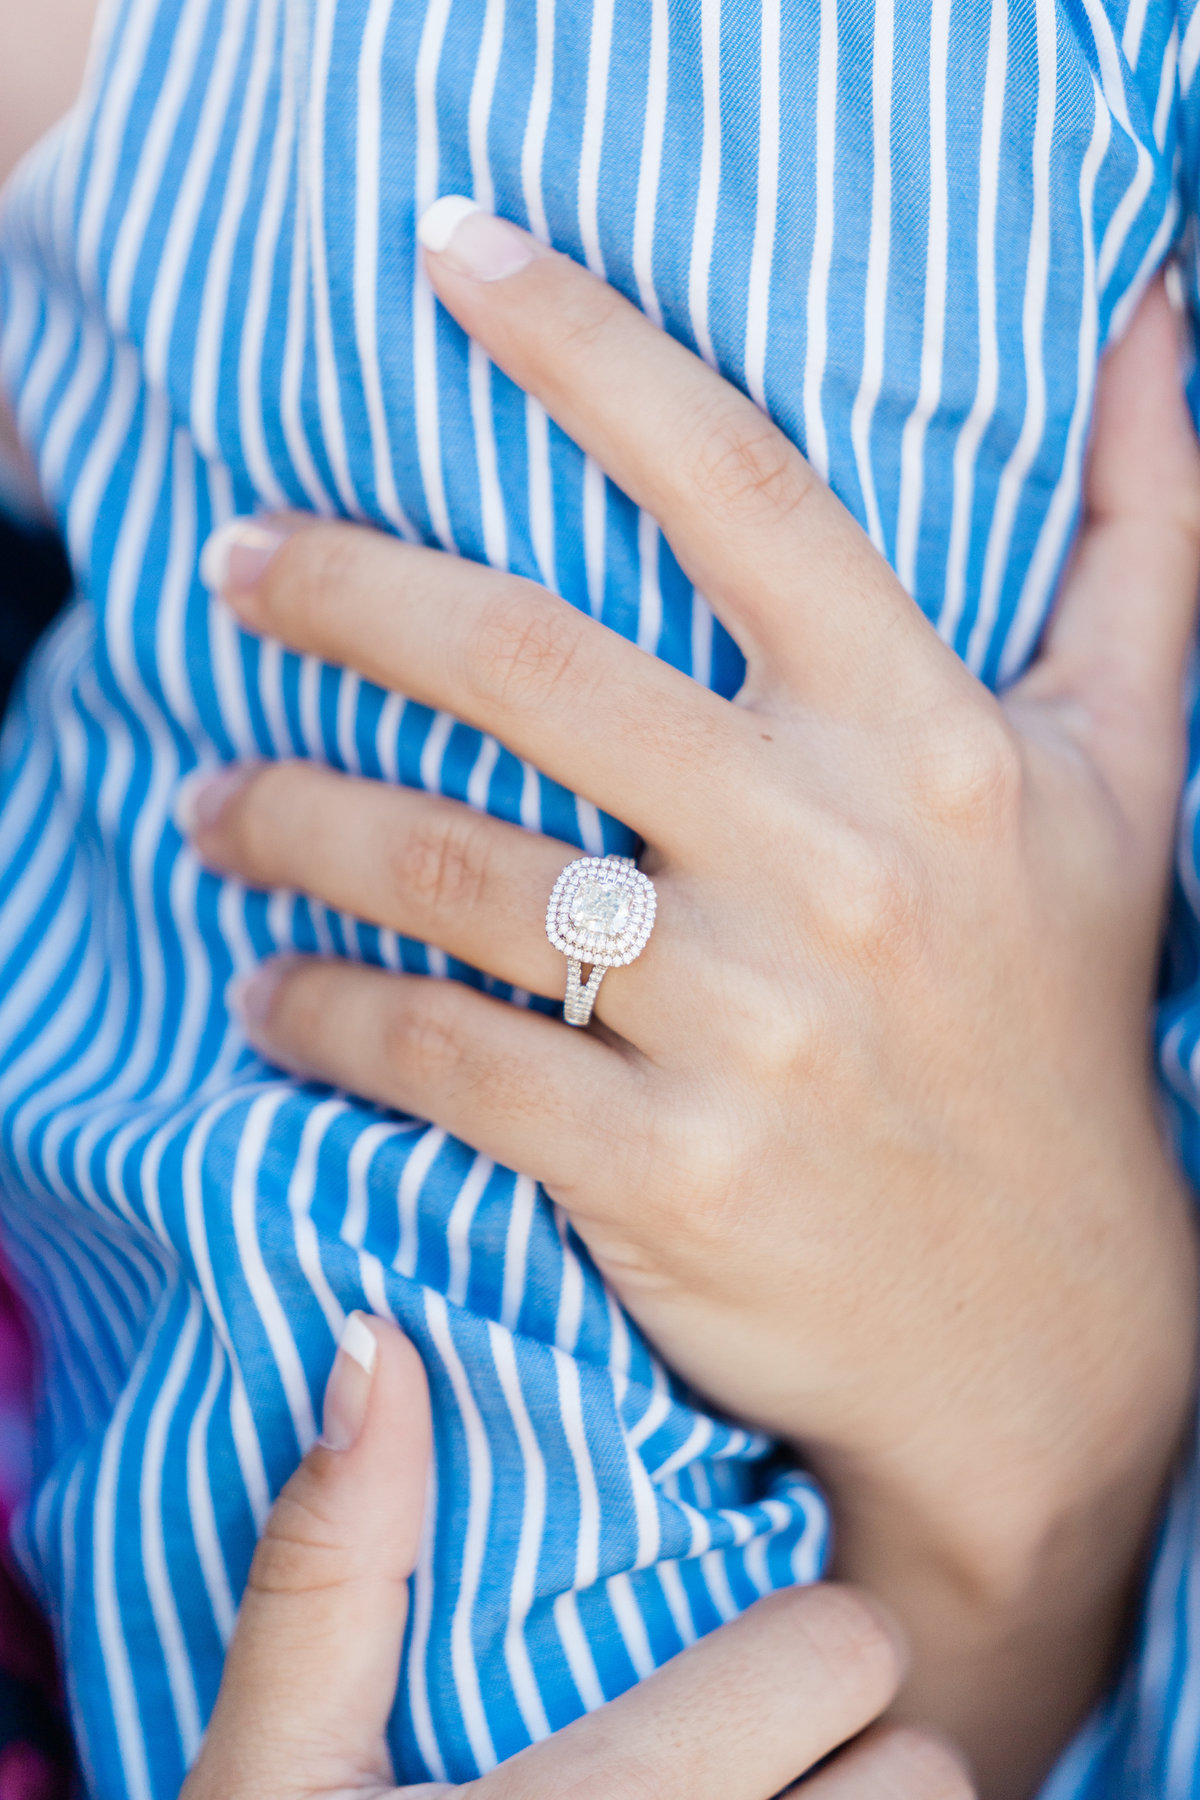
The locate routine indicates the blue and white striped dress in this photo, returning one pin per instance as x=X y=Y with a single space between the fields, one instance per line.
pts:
x=906 y=227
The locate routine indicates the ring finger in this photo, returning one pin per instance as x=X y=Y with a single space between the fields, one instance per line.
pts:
x=418 y=864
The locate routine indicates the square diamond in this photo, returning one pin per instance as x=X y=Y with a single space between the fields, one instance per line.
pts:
x=601 y=906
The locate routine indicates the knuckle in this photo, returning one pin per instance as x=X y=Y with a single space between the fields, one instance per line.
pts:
x=741 y=464
x=873 y=900
x=525 y=646
x=849 y=1637
x=442 y=863
x=696 y=1161
x=249 y=821
x=419 y=1035
x=300 y=1552
x=581 y=316
x=971 y=777
x=311 y=567
x=914 y=1765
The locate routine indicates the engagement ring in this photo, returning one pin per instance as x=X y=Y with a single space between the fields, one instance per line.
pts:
x=600 y=915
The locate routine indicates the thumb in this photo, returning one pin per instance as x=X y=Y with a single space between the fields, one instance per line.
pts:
x=1117 y=644
x=311 y=1672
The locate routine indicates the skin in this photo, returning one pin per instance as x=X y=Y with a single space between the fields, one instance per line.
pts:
x=43 y=50
x=42 y=57
x=867 y=1140
x=311 y=1673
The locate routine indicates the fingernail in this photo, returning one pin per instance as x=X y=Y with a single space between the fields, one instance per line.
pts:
x=475 y=242
x=349 y=1387
x=201 y=797
x=237 y=554
x=250 y=997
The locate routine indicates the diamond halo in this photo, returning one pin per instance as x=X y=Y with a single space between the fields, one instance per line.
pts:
x=600 y=913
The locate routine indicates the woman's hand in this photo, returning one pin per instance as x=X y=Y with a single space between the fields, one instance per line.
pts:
x=311 y=1673
x=868 y=1139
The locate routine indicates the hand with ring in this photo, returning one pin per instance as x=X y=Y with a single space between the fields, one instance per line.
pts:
x=867 y=1137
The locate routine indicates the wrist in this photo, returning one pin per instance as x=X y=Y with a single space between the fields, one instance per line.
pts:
x=1010 y=1537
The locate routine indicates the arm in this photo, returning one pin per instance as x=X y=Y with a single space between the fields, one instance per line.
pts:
x=43 y=49
x=869 y=1143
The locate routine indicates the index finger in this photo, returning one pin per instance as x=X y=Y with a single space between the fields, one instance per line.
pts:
x=785 y=566
x=738 y=1716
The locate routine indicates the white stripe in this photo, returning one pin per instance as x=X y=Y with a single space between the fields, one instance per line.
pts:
x=201 y=1512
x=244 y=1197
x=109 y=1625
x=599 y=58
x=523 y=1585
x=709 y=186
x=521 y=1211
x=878 y=253
x=1189 y=54
x=1166 y=88
x=245 y=1437
x=419 y=1638
x=758 y=305
x=1112 y=80
x=252 y=391
x=1131 y=36
x=302 y=1194
x=491 y=496
x=1056 y=523
x=479 y=1490
x=458 y=1229
x=429 y=56
x=1016 y=470
x=329 y=398
x=650 y=167
x=650 y=604
x=966 y=450
x=933 y=340
x=367 y=301
x=172 y=90
x=180 y=242
x=207 y=362
x=154 y=1548
x=816 y=441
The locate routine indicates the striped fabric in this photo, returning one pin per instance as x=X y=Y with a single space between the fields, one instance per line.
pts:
x=906 y=227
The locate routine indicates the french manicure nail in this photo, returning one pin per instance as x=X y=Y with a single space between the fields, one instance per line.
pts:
x=349 y=1387
x=475 y=242
x=237 y=554
x=201 y=797
x=249 y=997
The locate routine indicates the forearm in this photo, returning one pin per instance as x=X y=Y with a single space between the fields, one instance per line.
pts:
x=1017 y=1572
x=43 y=49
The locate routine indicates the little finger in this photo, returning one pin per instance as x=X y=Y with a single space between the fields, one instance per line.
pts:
x=517 y=1086
x=892 y=1762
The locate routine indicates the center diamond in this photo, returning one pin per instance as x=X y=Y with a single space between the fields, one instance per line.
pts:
x=601 y=906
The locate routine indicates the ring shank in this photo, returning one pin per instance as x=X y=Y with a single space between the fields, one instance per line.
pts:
x=581 y=995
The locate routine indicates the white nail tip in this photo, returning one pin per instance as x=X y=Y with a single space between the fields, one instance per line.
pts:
x=214 y=558
x=438 y=225
x=358 y=1341
x=183 y=807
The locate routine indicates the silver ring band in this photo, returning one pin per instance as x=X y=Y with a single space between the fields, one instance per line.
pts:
x=600 y=916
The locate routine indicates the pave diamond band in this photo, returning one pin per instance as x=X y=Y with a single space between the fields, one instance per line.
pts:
x=600 y=914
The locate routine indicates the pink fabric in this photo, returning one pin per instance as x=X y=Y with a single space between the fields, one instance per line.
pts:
x=34 y=1761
